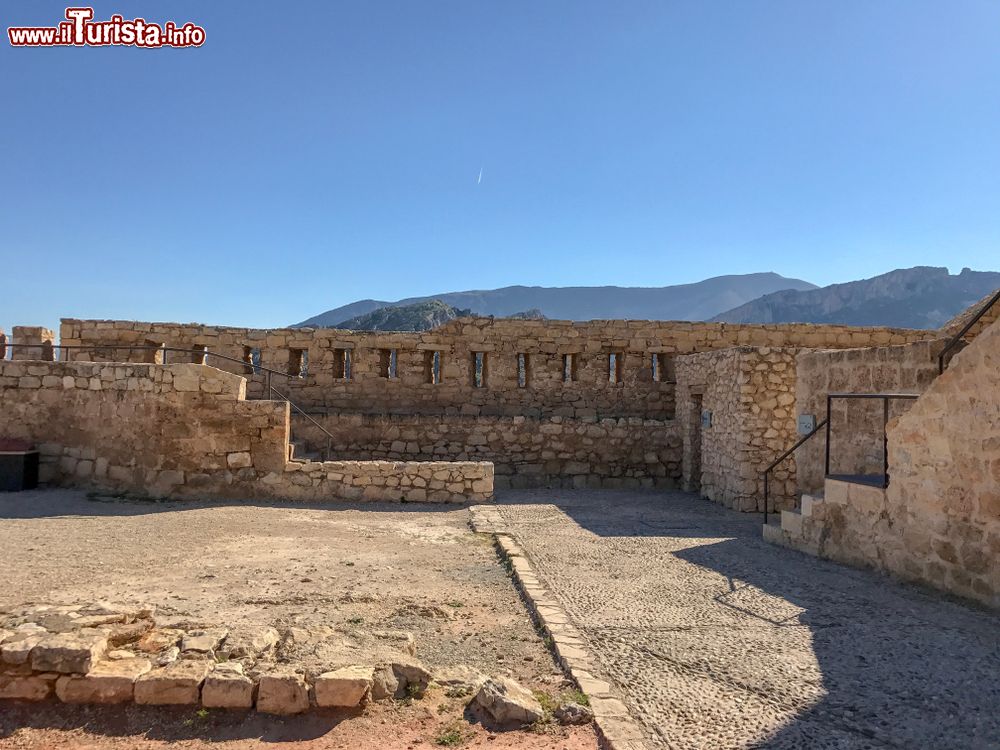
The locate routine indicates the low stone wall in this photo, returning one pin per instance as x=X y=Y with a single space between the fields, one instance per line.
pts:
x=857 y=424
x=749 y=394
x=186 y=430
x=409 y=481
x=525 y=452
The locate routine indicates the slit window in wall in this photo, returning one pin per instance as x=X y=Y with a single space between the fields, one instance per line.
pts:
x=432 y=367
x=298 y=362
x=615 y=360
x=387 y=361
x=342 y=364
x=478 y=369
x=251 y=360
x=569 y=362
x=199 y=355
x=522 y=370
x=154 y=353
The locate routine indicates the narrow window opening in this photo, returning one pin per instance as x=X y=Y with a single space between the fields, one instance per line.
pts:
x=251 y=360
x=615 y=360
x=154 y=352
x=569 y=368
x=663 y=368
x=342 y=364
x=298 y=362
x=522 y=370
x=432 y=367
x=387 y=360
x=478 y=369
x=199 y=355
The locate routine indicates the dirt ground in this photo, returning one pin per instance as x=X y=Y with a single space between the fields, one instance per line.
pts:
x=329 y=575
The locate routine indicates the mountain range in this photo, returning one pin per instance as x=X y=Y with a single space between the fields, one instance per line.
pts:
x=920 y=297
x=698 y=301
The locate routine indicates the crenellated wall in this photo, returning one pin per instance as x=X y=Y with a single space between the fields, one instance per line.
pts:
x=593 y=388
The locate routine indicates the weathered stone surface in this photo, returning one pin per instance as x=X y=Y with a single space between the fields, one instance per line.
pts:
x=411 y=674
x=158 y=639
x=462 y=678
x=177 y=684
x=123 y=634
x=282 y=692
x=17 y=649
x=573 y=713
x=343 y=688
x=227 y=687
x=507 y=703
x=69 y=652
x=107 y=682
x=25 y=687
x=249 y=642
x=385 y=684
x=168 y=656
x=204 y=641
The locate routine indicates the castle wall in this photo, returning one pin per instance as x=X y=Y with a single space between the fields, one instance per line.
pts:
x=186 y=430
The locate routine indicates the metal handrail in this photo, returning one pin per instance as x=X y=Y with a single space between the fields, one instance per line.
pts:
x=885 y=398
x=968 y=326
x=296 y=407
x=767 y=472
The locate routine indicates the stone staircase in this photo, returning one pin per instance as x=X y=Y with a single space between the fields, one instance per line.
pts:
x=799 y=529
x=297 y=451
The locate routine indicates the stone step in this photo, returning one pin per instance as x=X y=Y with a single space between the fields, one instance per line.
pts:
x=808 y=503
x=773 y=533
x=791 y=521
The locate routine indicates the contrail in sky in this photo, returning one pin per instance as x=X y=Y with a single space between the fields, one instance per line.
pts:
x=480 y=180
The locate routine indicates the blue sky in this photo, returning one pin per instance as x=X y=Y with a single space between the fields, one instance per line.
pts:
x=301 y=161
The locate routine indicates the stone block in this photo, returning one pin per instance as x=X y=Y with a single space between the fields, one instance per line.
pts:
x=227 y=687
x=69 y=652
x=25 y=688
x=343 y=688
x=282 y=692
x=107 y=682
x=177 y=684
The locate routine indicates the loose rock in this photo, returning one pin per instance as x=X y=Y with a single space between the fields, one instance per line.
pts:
x=344 y=688
x=507 y=703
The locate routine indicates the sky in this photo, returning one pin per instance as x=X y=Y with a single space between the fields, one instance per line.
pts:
x=337 y=151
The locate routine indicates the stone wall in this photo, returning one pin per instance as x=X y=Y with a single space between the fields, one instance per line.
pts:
x=938 y=521
x=857 y=427
x=747 y=396
x=627 y=452
x=567 y=367
x=186 y=430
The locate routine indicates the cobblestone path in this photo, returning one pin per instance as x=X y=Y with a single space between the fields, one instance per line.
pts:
x=716 y=639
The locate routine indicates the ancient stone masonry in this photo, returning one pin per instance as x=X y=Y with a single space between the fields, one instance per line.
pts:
x=627 y=452
x=567 y=371
x=938 y=521
x=737 y=413
x=550 y=403
x=857 y=424
x=186 y=430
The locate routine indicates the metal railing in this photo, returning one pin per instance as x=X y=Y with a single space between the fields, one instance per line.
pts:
x=194 y=356
x=862 y=478
x=774 y=464
x=965 y=329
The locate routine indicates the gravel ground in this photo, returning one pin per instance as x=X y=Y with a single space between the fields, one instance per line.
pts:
x=717 y=639
x=327 y=574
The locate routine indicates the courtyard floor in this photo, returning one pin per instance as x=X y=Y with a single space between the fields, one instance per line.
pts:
x=712 y=637
x=717 y=639
x=325 y=576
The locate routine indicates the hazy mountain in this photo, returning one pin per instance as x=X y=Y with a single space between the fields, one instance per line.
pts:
x=921 y=297
x=421 y=316
x=698 y=301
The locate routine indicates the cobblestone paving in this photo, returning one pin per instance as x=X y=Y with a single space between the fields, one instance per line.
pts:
x=716 y=639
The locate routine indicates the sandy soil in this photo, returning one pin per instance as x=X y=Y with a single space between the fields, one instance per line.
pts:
x=329 y=574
